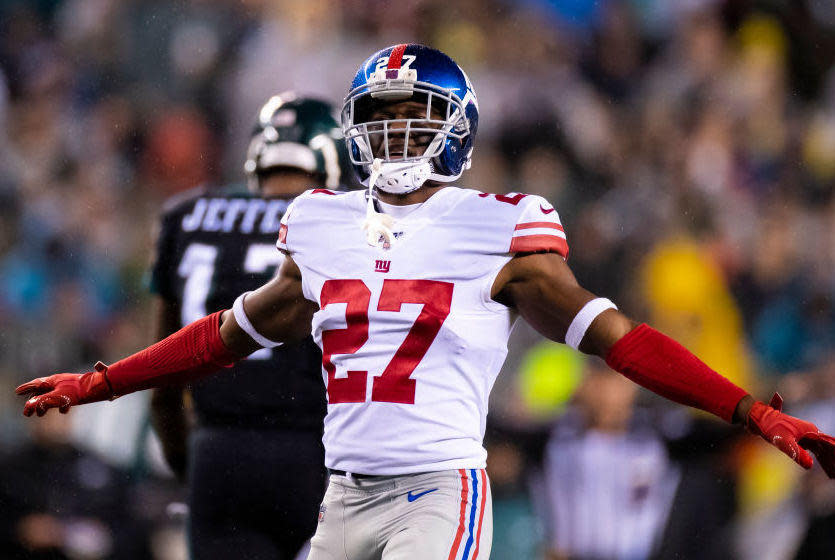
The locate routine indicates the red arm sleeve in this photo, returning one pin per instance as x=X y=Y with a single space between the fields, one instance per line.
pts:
x=194 y=351
x=662 y=365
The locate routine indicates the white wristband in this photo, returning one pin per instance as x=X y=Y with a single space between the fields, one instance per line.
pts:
x=243 y=322
x=583 y=320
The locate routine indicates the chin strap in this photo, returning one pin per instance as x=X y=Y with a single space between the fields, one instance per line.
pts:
x=377 y=226
x=402 y=178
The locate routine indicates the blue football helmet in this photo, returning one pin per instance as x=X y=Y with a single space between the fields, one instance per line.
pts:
x=436 y=146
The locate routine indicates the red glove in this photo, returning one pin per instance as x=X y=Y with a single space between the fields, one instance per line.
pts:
x=791 y=435
x=194 y=351
x=64 y=390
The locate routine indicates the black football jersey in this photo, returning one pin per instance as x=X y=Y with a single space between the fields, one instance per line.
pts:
x=213 y=246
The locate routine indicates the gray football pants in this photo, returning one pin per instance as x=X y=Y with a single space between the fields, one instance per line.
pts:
x=446 y=515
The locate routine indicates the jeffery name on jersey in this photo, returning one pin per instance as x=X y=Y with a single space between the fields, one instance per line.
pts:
x=215 y=245
x=204 y=229
x=411 y=339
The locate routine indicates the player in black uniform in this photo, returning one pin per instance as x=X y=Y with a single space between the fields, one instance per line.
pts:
x=254 y=460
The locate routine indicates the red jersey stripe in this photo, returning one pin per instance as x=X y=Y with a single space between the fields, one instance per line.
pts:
x=531 y=243
x=282 y=234
x=529 y=225
x=462 y=517
x=396 y=57
x=483 y=476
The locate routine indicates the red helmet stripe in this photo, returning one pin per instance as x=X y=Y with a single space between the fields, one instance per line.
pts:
x=396 y=57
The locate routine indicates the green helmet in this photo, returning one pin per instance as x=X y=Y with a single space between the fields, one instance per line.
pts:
x=299 y=133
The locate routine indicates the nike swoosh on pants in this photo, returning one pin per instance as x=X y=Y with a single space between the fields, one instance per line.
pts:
x=412 y=497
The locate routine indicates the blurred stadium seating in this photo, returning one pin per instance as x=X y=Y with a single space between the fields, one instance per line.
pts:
x=689 y=147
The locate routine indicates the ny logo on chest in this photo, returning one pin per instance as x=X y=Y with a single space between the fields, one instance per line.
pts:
x=382 y=266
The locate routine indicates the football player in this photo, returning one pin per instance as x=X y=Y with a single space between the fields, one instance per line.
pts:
x=256 y=470
x=411 y=289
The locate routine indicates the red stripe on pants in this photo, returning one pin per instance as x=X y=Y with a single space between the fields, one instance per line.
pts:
x=462 y=517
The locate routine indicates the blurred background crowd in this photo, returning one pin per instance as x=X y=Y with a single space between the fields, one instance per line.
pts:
x=689 y=147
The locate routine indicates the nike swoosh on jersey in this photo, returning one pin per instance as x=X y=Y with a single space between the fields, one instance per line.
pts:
x=412 y=497
x=544 y=211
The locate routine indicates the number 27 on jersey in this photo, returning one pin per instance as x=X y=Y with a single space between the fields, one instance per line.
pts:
x=394 y=385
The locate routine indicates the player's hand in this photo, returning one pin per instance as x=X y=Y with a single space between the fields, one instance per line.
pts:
x=64 y=390
x=791 y=435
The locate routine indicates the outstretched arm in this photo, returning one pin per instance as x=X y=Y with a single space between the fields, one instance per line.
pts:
x=275 y=312
x=544 y=291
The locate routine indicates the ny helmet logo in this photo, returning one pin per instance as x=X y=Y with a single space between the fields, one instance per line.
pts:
x=382 y=266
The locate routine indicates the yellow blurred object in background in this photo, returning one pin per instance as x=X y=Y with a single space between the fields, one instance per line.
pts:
x=689 y=300
x=766 y=479
x=548 y=378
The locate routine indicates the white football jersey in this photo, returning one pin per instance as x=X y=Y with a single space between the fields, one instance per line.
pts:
x=411 y=340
